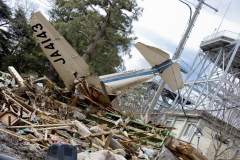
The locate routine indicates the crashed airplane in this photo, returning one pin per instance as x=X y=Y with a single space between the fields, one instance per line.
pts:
x=69 y=64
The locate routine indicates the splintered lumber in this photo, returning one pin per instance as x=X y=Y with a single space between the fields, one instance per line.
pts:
x=101 y=120
x=108 y=140
x=97 y=134
x=53 y=128
x=48 y=118
x=48 y=115
x=7 y=118
x=145 y=133
x=9 y=97
x=43 y=125
x=82 y=129
x=16 y=75
x=37 y=134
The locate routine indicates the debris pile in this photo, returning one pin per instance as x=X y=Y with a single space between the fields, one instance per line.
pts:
x=41 y=113
x=36 y=113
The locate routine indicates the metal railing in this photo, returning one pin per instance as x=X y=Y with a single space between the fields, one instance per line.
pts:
x=224 y=33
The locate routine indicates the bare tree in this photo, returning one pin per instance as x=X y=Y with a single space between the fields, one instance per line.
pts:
x=225 y=139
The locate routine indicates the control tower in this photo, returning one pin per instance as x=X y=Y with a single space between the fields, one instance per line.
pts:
x=225 y=40
x=213 y=83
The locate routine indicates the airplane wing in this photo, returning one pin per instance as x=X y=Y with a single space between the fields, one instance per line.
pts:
x=60 y=53
x=171 y=75
x=153 y=55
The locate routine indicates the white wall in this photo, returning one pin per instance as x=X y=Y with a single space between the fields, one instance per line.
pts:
x=179 y=124
x=205 y=143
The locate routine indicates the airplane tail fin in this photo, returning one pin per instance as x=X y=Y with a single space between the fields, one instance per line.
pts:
x=67 y=62
x=154 y=56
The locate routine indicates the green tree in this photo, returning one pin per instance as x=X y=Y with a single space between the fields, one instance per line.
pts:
x=5 y=17
x=100 y=30
x=23 y=53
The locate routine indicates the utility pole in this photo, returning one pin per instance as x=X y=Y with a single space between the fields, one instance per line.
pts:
x=183 y=41
x=179 y=49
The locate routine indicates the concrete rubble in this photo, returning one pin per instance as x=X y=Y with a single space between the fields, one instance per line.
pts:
x=35 y=113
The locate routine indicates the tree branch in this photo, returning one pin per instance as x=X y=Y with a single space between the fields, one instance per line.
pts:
x=222 y=152
x=90 y=52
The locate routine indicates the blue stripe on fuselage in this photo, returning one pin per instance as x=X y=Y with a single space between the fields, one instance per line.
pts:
x=131 y=75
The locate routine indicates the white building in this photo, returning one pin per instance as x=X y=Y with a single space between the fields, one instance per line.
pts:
x=216 y=139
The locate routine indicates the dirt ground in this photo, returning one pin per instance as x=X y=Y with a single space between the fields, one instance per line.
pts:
x=19 y=149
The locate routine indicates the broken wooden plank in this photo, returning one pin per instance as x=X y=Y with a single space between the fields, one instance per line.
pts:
x=54 y=128
x=83 y=130
x=97 y=134
x=41 y=125
x=16 y=75
x=108 y=140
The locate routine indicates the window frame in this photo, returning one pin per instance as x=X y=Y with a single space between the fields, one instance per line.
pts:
x=171 y=122
x=189 y=131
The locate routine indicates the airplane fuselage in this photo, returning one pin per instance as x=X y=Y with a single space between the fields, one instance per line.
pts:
x=124 y=80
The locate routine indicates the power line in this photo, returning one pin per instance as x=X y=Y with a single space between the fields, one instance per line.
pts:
x=224 y=15
x=190 y=10
x=190 y=2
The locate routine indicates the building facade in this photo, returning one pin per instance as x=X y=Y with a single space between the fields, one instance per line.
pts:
x=216 y=139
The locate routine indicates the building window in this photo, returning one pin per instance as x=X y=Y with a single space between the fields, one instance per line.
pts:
x=169 y=123
x=189 y=131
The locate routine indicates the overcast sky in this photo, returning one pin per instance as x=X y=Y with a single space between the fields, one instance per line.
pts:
x=163 y=22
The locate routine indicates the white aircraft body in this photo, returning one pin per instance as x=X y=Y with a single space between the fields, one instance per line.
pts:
x=68 y=62
x=121 y=81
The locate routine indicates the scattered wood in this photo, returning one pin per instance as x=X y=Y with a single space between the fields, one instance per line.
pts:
x=96 y=135
x=42 y=125
x=39 y=112
x=54 y=128
x=8 y=118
